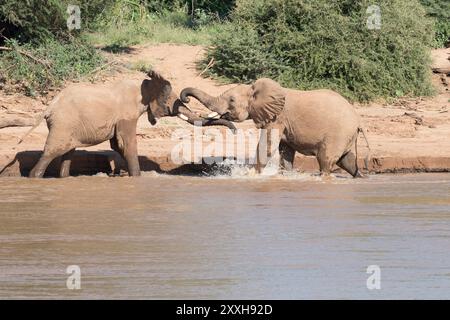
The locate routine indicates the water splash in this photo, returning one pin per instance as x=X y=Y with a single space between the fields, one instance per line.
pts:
x=231 y=169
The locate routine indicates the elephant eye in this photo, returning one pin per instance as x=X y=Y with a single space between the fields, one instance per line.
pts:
x=232 y=99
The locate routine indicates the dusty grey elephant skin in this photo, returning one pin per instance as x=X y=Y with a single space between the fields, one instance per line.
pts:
x=84 y=115
x=320 y=123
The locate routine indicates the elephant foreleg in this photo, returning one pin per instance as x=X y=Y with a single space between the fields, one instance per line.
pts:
x=66 y=161
x=262 y=151
x=287 y=155
x=268 y=144
x=131 y=157
x=127 y=143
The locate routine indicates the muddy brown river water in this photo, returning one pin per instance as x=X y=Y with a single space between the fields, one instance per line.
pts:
x=180 y=237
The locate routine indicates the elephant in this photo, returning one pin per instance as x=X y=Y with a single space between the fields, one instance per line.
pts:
x=84 y=115
x=319 y=123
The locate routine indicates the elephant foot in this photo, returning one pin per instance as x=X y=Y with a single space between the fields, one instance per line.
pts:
x=360 y=175
x=326 y=176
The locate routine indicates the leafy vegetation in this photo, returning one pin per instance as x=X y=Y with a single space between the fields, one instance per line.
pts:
x=126 y=28
x=310 y=44
x=301 y=43
x=440 y=11
x=34 y=69
x=38 y=51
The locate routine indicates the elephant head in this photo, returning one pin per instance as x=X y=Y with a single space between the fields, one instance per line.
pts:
x=158 y=95
x=263 y=101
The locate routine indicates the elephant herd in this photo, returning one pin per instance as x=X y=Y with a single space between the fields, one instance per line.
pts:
x=320 y=123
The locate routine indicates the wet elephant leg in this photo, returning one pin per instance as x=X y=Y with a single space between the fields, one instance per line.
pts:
x=127 y=143
x=287 y=155
x=326 y=162
x=269 y=142
x=53 y=149
x=348 y=163
x=39 y=169
x=262 y=151
x=66 y=161
x=115 y=146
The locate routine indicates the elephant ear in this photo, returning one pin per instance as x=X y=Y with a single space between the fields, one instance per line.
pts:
x=162 y=87
x=159 y=79
x=155 y=75
x=266 y=102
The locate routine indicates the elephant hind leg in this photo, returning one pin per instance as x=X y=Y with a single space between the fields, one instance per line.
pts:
x=115 y=146
x=287 y=156
x=39 y=169
x=47 y=157
x=66 y=161
x=52 y=150
x=326 y=162
x=348 y=163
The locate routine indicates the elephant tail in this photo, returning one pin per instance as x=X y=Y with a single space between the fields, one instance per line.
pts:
x=367 y=158
x=38 y=122
x=42 y=116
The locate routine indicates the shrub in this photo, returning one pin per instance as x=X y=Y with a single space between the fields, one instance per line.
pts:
x=121 y=27
x=32 y=20
x=440 y=11
x=36 y=68
x=37 y=28
x=219 y=7
x=35 y=20
x=309 y=44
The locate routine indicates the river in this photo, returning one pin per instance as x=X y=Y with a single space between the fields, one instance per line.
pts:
x=226 y=237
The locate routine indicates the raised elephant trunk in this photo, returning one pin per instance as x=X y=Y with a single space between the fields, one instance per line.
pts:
x=186 y=114
x=212 y=103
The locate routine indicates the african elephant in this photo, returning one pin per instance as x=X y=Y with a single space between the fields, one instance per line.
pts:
x=319 y=122
x=85 y=115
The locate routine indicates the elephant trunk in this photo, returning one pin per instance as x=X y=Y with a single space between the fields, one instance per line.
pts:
x=212 y=103
x=186 y=114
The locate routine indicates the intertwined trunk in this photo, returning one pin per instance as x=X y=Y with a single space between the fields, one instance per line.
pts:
x=194 y=119
x=212 y=103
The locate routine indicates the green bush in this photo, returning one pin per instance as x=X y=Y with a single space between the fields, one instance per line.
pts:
x=442 y=33
x=440 y=11
x=36 y=20
x=219 y=7
x=42 y=51
x=309 y=44
x=37 y=28
x=36 y=68
x=124 y=25
x=179 y=13
x=33 y=19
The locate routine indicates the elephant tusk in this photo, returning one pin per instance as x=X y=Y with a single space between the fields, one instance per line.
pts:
x=213 y=115
x=183 y=117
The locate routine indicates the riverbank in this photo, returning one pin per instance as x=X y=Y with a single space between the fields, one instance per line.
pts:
x=411 y=135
